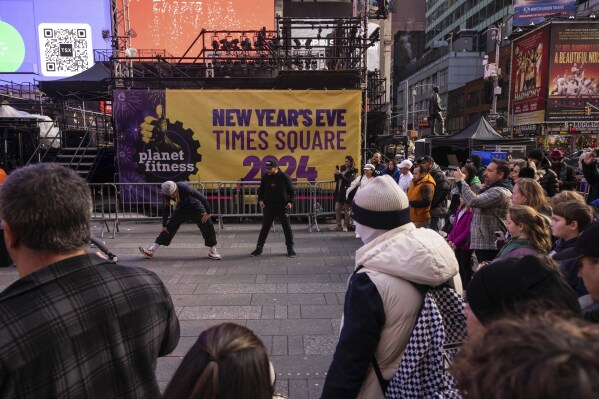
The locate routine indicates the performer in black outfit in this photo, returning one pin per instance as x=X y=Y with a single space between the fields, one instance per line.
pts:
x=275 y=196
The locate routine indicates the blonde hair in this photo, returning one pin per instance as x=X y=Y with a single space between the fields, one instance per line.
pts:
x=534 y=194
x=566 y=196
x=534 y=224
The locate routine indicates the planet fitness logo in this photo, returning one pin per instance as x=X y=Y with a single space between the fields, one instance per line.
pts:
x=12 y=48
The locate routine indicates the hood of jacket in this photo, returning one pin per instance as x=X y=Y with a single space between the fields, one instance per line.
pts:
x=421 y=256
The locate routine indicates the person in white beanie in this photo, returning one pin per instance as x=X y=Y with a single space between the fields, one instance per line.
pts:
x=382 y=303
x=190 y=205
x=405 y=179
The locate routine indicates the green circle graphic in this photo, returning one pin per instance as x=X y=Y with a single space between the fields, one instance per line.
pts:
x=12 y=48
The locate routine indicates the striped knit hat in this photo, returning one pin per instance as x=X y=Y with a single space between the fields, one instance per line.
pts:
x=381 y=204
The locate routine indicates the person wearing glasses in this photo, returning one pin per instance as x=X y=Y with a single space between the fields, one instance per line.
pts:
x=275 y=196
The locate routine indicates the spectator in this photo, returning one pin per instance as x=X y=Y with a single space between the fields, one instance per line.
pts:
x=591 y=175
x=382 y=304
x=475 y=185
x=568 y=220
x=343 y=178
x=420 y=195
x=405 y=179
x=490 y=207
x=501 y=289
x=586 y=251
x=529 y=192
x=379 y=166
x=547 y=177
x=471 y=178
x=552 y=355
x=190 y=205
x=276 y=195
x=459 y=239
x=72 y=327
x=477 y=161
x=228 y=361
x=362 y=181
x=528 y=233
x=564 y=196
x=522 y=168
x=566 y=175
x=392 y=170
x=442 y=189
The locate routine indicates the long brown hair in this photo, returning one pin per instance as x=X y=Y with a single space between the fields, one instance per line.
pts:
x=228 y=361
x=534 y=194
x=534 y=224
x=166 y=199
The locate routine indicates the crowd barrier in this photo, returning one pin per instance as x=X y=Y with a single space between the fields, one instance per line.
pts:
x=120 y=202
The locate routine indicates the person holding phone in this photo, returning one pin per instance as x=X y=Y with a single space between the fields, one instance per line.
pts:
x=344 y=176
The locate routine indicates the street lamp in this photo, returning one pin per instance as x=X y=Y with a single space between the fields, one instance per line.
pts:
x=413 y=108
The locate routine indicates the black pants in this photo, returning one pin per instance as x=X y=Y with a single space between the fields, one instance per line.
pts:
x=180 y=216
x=485 y=255
x=270 y=214
x=464 y=257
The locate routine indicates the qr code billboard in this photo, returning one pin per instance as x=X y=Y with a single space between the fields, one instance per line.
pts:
x=65 y=49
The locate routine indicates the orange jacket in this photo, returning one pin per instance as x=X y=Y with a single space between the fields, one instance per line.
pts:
x=419 y=213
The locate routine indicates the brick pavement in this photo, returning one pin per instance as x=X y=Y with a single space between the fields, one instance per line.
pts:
x=294 y=305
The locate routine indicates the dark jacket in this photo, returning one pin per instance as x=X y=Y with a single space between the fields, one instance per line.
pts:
x=189 y=199
x=548 y=178
x=379 y=169
x=276 y=190
x=591 y=312
x=566 y=174
x=442 y=187
x=342 y=182
x=591 y=175
x=395 y=174
x=570 y=268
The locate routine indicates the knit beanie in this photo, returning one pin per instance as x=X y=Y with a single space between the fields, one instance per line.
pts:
x=381 y=204
x=169 y=187
x=501 y=288
x=536 y=154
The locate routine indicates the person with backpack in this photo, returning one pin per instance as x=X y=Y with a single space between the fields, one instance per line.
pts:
x=385 y=296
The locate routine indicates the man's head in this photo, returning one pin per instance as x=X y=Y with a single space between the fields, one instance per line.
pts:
x=271 y=167
x=557 y=156
x=46 y=208
x=475 y=159
x=502 y=288
x=419 y=173
x=376 y=158
x=405 y=166
x=380 y=205
x=497 y=170
x=427 y=161
x=536 y=156
x=436 y=89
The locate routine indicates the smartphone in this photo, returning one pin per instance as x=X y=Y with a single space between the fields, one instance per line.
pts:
x=500 y=236
x=337 y=167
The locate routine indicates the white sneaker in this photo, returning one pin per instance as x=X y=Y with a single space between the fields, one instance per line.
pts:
x=148 y=253
x=212 y=254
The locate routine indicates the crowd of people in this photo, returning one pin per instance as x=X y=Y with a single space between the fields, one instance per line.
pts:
x=515 y=255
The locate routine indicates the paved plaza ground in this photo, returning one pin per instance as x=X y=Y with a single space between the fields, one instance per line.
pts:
x=293 y=304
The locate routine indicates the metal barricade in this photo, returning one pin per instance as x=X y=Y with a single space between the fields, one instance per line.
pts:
x=119 y=202
x=323 y=200
x=105 y=206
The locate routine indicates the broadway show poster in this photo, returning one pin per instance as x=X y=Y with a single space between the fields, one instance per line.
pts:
x=528 y=87
x=527 y=11
x=574 y=71
x=210 y=135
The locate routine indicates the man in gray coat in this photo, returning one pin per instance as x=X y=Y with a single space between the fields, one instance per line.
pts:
x=490 y=207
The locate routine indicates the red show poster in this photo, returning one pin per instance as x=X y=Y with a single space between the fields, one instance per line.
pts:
x=528 y=83
x=573 y=72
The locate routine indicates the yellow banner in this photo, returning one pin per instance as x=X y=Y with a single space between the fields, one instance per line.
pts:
x=307 y=132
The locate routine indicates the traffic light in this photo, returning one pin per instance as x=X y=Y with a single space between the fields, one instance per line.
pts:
x=587 y=110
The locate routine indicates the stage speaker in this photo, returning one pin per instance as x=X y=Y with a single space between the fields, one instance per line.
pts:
x=423 y=147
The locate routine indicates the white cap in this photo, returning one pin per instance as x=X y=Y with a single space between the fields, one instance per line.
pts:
x=169 y=187
x=368 y=166
x=406 y=163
